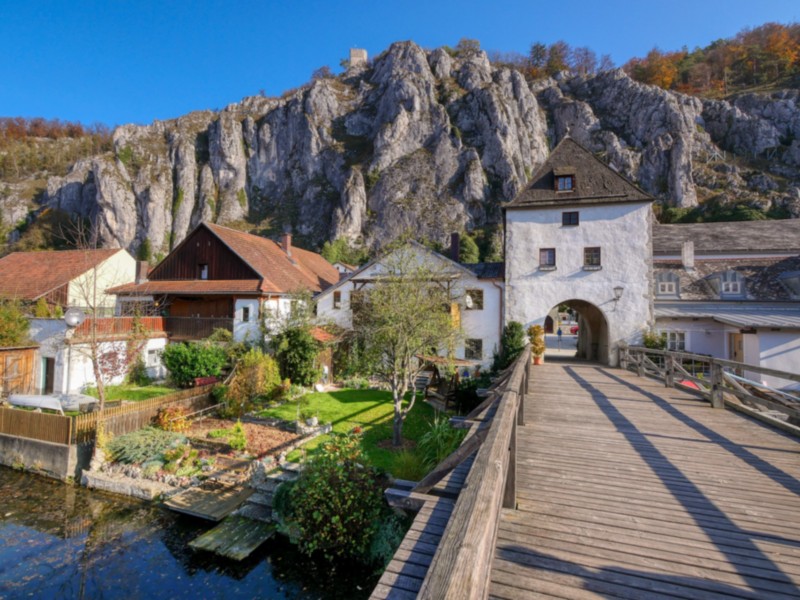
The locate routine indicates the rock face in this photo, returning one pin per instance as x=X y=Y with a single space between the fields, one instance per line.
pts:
x=426 y=142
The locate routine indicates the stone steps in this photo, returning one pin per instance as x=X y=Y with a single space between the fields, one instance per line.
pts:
x=259 y=504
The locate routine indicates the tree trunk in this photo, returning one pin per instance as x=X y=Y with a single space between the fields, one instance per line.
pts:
x=397 y=425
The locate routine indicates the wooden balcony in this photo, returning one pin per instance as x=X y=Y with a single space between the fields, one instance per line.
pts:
x=195 y=328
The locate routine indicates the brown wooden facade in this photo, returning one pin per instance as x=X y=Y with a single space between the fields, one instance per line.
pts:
x=202 y=248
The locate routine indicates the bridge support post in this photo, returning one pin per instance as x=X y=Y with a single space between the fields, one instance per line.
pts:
x=716 y=385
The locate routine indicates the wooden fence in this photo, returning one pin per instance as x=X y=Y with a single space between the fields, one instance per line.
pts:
x=119 y=420
x=714 y=378
x=36 y=426
x=130 y=417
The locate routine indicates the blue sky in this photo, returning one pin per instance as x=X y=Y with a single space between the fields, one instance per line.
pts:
x=133 y=61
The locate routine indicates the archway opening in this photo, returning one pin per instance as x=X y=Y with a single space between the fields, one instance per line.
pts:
x=584 y=332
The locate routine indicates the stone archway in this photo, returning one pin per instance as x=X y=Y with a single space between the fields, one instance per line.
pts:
x=592 y=337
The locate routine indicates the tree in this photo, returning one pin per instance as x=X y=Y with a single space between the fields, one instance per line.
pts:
x=467 y=46
x=14 y=325
x=406 y=313
x=468 y=250
x=583 y=60
x=537 y=59
x=324 y=72
x=512 y=343
x=557 y=57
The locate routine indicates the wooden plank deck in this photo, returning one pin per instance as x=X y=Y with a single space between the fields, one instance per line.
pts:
x=211 y=500
x=236 y=537
x=628 y=489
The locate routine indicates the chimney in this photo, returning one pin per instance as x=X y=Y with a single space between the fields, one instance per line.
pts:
x=455 y=246
x=286 y=243
x=687 y=255
x=142 y=270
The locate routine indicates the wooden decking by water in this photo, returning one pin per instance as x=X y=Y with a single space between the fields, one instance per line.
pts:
x=629 y=489
x=236 y=537
x=211 y=500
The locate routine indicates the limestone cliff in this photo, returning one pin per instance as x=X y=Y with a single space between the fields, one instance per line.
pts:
x=422 y=141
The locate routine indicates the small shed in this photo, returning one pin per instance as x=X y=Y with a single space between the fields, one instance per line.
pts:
x=17 y=368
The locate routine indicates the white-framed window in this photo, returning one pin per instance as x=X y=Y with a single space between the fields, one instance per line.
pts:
x=591 y=259
x=666 y=287
x=731 y=287
x=565 y=183
x=245 y=314
x=153 y=358
x=337 y=300
x=474 y=300
x=676 y=340
x=473 y=349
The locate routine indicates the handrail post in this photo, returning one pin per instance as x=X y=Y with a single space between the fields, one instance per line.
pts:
x=669 y=370
x=640 y=364
x=716 y=385
x=624 y=359
x=510 y=491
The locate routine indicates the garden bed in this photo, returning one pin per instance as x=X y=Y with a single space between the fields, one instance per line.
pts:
x=262 y=439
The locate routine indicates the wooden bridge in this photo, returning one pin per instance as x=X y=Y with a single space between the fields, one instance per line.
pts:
x=595 y=482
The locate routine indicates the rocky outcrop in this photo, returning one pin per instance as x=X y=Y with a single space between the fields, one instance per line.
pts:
x=423 y=141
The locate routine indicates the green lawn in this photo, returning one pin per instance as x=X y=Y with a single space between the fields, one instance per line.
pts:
x=371 y=410
x=132 y=392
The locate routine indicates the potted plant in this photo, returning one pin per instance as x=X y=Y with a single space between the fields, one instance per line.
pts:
x=536 y=335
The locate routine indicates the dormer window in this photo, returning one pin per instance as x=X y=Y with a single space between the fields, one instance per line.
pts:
x=791 y=281
x=730 y=284
x=564 y=179
x=667 y=284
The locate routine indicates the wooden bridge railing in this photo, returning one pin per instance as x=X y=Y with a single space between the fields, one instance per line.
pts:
x=713 y=378
x=461 y=567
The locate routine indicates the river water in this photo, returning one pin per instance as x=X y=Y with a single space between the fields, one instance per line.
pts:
x=63 y=541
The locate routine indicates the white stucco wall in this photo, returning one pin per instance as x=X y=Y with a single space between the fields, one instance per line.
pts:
x=115 y=270
x=485 y=324
x=624 y=234
x=249 y=330
x=703 y=336
x=780 y=350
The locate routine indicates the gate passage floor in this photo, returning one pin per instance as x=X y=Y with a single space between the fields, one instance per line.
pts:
x=629 y=489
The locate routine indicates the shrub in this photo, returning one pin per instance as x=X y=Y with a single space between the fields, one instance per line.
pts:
x=440 y=441
x=137 y=374
x=172 y=418
x=296 y=351
x=536 y=336
x=655 y=340
x=336 y=504
x=181 y=460
x=466 y=395
x=143 y=445
x=256 y=375
x=185 y=362
x=389 y=536
x=238 y=439
x=41 y=310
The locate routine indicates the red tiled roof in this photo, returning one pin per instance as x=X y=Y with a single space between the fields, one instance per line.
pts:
x=191 y=286
x=319 y=334
x=31 y=275
x=304 y=270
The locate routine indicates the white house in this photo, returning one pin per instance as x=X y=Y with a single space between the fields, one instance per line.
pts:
x=477 y=290
x=580 y=235
x=731 y=290
x=63 y=279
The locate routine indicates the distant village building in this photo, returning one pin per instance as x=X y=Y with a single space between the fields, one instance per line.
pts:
x=476 y=290
x=358 y=57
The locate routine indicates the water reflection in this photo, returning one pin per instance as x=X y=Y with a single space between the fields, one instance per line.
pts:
x=60 y=541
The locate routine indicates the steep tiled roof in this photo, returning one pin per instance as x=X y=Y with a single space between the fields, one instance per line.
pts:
x=486 y=270
x=30 y=275
x=761 y=277
x=729 y=237
x=304 y=270
x=594 y=181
